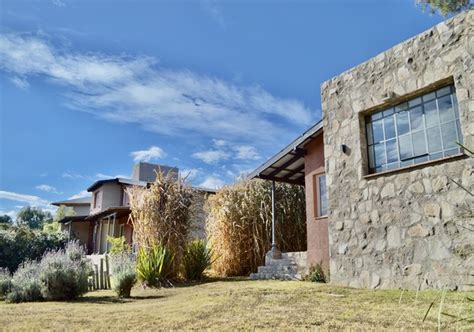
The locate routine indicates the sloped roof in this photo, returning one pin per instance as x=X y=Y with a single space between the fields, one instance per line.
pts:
x=75 y=201
x=288 y=164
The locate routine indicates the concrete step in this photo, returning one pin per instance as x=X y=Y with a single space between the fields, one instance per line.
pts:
x=278 y=269
x=277 y=276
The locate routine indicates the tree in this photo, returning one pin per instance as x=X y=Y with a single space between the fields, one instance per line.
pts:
x=5 y=219
x=445 y=7
x=33 y=217
x=61 y=212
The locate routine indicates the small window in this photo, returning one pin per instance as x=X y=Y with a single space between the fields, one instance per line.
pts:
x=321 y=206
x=122 y=230
x=424 y=128
x=97 y=196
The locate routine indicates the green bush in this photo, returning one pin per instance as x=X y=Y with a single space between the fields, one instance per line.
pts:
x=5 y=282
x=154 y=266
x=25 y=284
x=118 y=245
x=19 y=244
x=64 y=273
x=196 y=259
x=316 y=274
x=123 y=273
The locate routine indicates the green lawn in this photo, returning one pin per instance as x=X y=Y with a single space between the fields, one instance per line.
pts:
x=233 y=304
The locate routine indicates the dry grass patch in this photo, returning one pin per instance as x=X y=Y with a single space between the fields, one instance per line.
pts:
x=236 y=304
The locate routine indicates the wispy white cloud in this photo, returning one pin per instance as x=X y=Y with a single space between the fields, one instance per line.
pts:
x=29 y=199
x=20 y=82
x=74 y=175
x=11 y=213
x=102 y=176
x=59 y=3
x=153 y=153
x=211 y=156
x=189 y=173
x=171 y=102
x=212 y=182
x=47 y=188
x=81 y=194
x=246 y=152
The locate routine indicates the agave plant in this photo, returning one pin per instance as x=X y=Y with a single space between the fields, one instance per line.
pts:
x=196 y=259
x=154 y=266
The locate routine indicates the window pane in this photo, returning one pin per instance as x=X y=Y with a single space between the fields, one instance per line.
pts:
x=371 y=157
x=388 y=112
x=431 y=114
x=377 y=130
x=369 y=134
x=401 y=107
x=429 y=96
x=323 y=201
x=460 y=137
x=402 y=123
x=419 y=143
x=376 y=116
x=414 y=102
x=389 y=127
x=446 y=111
x=448 y=131
x=443 y=91
x=392 y=152
x=436 y=156
x=379 y=150
x=404 y=143
x=434 y=139
x=416 y=118
x=451 y=152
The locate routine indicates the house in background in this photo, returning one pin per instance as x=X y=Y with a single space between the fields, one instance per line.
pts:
x=107 y=212
x=382 y=209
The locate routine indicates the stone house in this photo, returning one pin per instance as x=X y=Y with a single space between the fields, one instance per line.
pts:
x=383 y=210
x=107 y=212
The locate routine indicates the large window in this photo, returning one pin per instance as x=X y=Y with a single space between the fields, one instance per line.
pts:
x=421 y=129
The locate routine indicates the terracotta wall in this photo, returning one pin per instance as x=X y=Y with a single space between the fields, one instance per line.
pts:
x=317 y=228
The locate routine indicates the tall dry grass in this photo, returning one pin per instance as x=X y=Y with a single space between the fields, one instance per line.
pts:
x=161 y=214
x=239 y=224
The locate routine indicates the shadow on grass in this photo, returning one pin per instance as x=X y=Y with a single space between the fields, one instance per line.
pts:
x=115 y=299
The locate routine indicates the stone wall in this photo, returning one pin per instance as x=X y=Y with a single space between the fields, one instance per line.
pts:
x=407 y=228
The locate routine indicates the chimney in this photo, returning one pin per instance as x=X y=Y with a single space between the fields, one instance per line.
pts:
x=146 y=171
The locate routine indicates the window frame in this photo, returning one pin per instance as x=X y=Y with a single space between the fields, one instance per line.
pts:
x=408 y=107
x=317 y=196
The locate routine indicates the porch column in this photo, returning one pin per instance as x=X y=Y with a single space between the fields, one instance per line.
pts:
x=274 y=252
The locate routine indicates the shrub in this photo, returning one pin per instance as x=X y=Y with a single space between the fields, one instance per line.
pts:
x=19 y=244
x=64 y=273
x=316 y=274
x=162 y=214
x=155 y=265
x=118 y=245
x=196 y=259
x=5 y=282
x=123 y=273
x=239 y=224
x=25 y=284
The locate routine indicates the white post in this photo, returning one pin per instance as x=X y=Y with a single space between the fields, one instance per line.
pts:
x=275 y=253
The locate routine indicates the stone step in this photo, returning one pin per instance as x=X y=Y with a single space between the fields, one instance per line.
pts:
x=278 y=269
x=275 y=276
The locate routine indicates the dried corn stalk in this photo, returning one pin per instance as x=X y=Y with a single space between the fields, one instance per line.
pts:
x=239 y=224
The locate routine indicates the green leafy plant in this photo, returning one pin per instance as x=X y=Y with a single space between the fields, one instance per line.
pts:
x=316 y=274
x=155 y=265
x=118 y=245
x=123 y=273
x=196 y=259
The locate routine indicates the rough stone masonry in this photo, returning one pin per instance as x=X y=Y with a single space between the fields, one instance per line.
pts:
x=406 y=228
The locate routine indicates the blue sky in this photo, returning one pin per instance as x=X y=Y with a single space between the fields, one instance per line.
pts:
x=212 y=87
